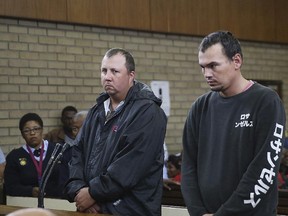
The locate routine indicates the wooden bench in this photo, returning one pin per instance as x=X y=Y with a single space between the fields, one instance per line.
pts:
x=282 y=208
x=173 y=197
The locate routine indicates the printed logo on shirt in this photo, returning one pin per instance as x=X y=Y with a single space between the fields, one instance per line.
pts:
x=114 y=128
x=22 y=161
x=245 y=121
x=268 y=174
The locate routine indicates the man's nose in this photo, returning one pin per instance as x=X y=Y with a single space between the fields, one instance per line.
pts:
x=207 y=72
x=108 y=75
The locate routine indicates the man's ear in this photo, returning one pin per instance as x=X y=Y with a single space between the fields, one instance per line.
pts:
x=237 y=59
x=132 y=75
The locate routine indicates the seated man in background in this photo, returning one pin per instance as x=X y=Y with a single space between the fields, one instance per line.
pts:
x=64 y=133
x=25 y=165
x=78 y=121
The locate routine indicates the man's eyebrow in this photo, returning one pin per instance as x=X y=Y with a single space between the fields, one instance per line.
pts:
x=209 y=64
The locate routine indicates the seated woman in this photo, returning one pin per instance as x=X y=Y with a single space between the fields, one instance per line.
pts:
x=174 y=168
x=173 y=171
x=25 y=165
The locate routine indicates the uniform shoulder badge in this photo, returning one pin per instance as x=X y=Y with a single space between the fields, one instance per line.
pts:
x=22 y=161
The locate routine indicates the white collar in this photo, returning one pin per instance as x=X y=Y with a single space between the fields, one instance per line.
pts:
x=107 y=105
x=33 y=149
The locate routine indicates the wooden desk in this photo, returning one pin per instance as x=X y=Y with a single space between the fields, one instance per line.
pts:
x=5 y=209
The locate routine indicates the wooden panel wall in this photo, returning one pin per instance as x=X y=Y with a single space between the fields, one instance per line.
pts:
x=252 y=19
x=54 y=10
x=192 y=17
x=255 y=20
x=132 y=14
x=87 y=12
x=281 y=21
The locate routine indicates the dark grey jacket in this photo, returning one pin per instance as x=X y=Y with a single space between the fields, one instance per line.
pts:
x=121 y=160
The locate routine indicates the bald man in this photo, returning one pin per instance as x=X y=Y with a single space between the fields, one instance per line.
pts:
x=32 y=212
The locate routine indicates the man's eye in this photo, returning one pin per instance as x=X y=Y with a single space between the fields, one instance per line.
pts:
x=212 y=66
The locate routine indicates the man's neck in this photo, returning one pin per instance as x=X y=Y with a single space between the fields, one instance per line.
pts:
x=241 y=85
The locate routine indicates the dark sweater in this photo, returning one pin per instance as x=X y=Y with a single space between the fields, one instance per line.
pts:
x=230 y=146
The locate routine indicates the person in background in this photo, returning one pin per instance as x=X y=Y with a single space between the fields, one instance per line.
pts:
x=174 y=168
x=117 y=165
x=78 y=121
x=2 y=165
x=63 y=134
x=232 y=139
x=76 y=125
x=173 y=172
x=25 y=165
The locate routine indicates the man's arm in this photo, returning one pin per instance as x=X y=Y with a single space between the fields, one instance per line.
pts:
x=189 y=180
x=76 y=179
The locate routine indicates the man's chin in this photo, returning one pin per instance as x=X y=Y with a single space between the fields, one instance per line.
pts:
x=110 y=93
x=215 y=88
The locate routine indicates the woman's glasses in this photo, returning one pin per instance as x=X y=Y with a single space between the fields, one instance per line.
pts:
x=35 y=130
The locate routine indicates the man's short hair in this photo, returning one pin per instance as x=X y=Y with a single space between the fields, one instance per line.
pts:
x=68 y=108
x=130 y=63
x=231 y=46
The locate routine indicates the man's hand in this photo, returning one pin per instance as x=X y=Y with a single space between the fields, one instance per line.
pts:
x=84 y=201
x=93 y=209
